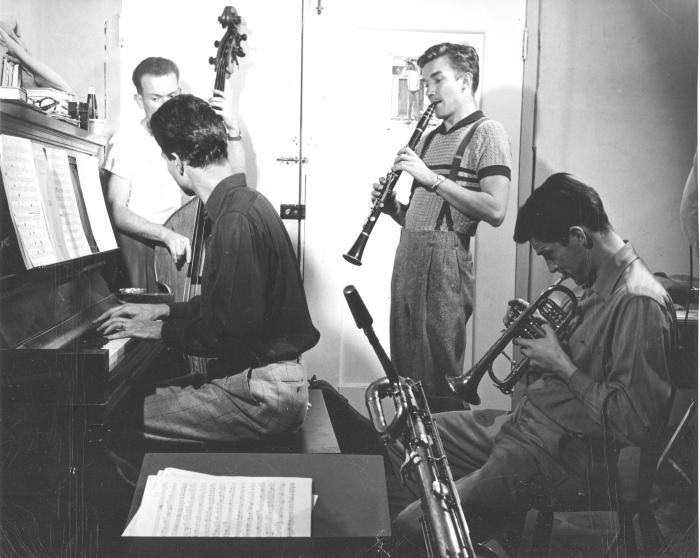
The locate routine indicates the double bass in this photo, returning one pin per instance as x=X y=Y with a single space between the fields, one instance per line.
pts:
x=179 y=278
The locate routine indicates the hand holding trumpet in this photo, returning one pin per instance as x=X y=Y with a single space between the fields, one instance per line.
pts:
x=546 y=353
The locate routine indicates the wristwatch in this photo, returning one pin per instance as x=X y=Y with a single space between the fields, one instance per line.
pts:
x=439 y=179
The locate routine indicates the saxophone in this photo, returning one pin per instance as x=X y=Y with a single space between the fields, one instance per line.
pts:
x=443 y=524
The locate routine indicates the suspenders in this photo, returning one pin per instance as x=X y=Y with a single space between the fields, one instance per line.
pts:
x=445 y=214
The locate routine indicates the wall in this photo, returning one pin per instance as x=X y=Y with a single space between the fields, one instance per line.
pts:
x=70 y=36
x=617 y=106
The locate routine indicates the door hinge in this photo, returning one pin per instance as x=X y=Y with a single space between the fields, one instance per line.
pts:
x=293 y=211
x=525 y=37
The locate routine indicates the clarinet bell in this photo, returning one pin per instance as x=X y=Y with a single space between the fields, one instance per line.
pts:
x=354 y=255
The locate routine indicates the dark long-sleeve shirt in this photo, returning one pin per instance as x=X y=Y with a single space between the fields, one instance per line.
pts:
x=622 y=350
x=252 y=309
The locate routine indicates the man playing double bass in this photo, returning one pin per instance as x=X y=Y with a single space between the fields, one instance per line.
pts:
x=141 y=194
x=252 y=313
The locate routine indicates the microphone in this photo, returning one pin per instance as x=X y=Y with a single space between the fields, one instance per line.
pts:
x=357 y=307
x=364 y=322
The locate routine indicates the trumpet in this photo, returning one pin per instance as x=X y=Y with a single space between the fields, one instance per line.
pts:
x=354 y=255
x=524 y=320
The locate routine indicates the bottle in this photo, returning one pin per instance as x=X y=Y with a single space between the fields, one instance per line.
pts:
x=91 y=104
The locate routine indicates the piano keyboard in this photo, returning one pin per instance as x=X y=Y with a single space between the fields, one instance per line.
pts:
x=116 y=348
x=94 y=340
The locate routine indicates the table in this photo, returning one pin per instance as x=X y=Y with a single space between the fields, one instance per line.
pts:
x=351 y=512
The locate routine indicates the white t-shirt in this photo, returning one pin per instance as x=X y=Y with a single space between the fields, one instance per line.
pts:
x=133 y=154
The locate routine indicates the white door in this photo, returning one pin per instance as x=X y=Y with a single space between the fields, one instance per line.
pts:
x=356 y=121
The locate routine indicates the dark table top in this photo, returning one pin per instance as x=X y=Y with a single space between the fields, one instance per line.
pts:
x=351 y=511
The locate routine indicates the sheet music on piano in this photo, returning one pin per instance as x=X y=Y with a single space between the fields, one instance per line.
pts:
x=89 y=178
x=61 y=198
x=45 y=199
x=24 y=198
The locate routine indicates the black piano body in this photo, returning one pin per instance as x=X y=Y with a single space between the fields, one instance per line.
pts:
x=61 y=386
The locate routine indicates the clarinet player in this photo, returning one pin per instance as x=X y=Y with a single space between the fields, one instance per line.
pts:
x=610 y=385
x=432 y=285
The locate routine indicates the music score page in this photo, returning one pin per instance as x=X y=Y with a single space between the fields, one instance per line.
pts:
x=89 y=173
x=24 y=198
x=43 y=202
x=63 y=206
x=180 y=503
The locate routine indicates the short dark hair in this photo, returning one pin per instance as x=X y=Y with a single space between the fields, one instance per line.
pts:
x=153 y=66
x=560 y=203
x=463 y=58
x=188 y=126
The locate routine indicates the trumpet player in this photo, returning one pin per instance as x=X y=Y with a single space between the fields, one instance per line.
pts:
x=609 y=385
x=457 y=182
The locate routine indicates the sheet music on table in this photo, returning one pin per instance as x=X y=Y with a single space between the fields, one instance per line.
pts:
x=179 y=503
x=43 y=202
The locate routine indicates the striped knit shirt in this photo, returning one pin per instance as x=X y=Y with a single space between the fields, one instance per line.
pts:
x=487 y=154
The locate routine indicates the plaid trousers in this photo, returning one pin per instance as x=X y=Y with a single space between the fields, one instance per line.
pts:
x=272 y=399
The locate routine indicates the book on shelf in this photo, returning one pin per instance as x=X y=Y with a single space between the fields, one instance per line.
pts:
x=13 y=93
x=11 y=71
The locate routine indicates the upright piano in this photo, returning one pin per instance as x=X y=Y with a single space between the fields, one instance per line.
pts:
x=61 y=382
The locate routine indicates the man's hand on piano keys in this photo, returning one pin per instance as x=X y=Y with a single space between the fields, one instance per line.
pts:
x=117 y=328
x=135 y=311
x=132 y=320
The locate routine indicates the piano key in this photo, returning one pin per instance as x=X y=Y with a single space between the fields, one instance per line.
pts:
x=116 y=348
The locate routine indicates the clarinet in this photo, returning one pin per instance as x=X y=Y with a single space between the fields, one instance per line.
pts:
x=354 y=256
x=444 y=527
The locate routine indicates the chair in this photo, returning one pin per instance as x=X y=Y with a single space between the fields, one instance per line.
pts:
x=602 y=492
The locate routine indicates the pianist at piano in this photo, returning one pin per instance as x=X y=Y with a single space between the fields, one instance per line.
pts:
x=251 y=317
x=63 y=383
